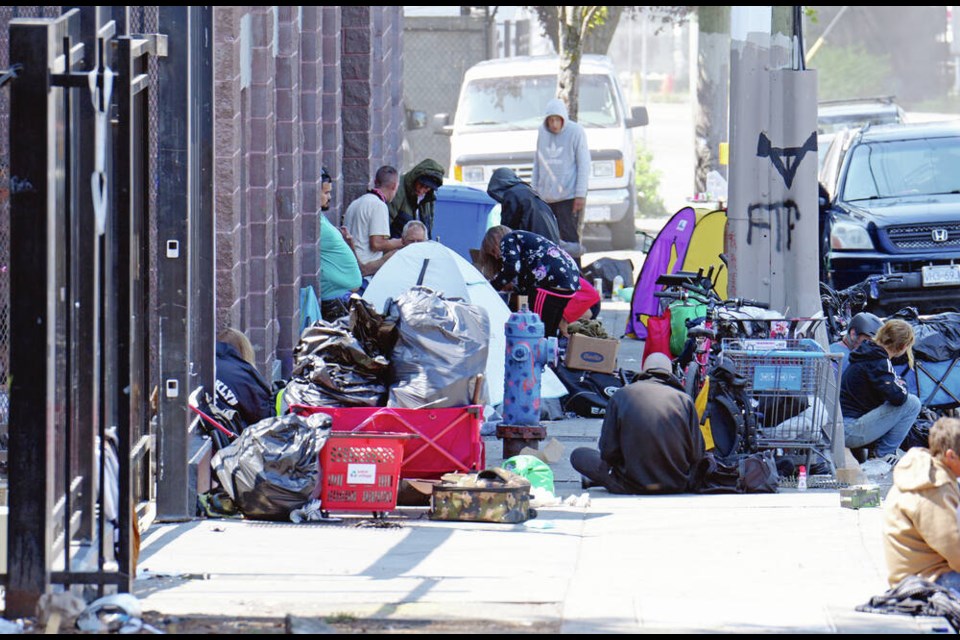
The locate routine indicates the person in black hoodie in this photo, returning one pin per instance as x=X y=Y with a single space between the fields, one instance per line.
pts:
x=878 y=411
x=240 y=387
x=520 y=206
x=650 y=439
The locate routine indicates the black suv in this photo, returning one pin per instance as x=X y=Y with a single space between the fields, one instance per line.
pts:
x=890 y=202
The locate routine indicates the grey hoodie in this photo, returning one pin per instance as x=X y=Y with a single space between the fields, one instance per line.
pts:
x=561 y=166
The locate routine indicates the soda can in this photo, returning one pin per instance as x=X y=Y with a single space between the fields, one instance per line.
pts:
x=598 y=285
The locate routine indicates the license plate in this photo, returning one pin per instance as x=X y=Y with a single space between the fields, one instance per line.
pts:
x=941 y=275
x=597 y=214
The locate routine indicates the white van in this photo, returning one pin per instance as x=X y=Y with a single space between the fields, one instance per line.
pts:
x=500 y=109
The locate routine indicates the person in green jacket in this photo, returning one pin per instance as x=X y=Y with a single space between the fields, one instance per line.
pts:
x=415 y=197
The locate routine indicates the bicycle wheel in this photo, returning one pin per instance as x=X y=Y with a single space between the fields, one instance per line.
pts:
x=691 y=379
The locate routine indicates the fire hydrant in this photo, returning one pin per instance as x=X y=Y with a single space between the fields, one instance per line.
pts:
x=527 y=352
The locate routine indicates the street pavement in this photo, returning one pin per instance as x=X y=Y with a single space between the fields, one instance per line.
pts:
x=786 y=562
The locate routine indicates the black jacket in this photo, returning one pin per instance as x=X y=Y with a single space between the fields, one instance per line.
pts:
x=651 y=435
x=241 y=387
x=869 y=381
x=521 y=208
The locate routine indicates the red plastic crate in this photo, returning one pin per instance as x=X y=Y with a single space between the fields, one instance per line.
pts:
x=360 y=472
x=448 y=438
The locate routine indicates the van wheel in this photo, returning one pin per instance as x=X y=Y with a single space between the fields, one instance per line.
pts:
x=623 y=234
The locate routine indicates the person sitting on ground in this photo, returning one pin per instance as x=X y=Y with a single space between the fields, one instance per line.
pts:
x=650 y=439
x=521 y=208
x=239 y=386
x=416 y=197
x=920 y=533
x=340 y=273
x=531 y=266
x=413 y=231
x=367 y=219
x=878 y=411
x=863 y=326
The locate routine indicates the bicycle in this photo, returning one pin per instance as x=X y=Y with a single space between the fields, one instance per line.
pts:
x=839 y=306
x=704 y=334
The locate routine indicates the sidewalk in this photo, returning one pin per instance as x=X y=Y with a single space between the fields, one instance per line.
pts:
x=785 y=562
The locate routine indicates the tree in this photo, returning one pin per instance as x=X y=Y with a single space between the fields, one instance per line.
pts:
x=578 y=30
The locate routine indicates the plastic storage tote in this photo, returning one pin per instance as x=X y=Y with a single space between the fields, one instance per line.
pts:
x=460 y=218
x=448 y=439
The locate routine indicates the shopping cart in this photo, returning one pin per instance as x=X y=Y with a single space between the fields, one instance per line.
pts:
x=361 y=472
x=794 y=390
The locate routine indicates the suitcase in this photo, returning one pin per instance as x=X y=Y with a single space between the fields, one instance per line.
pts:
x=491 y=495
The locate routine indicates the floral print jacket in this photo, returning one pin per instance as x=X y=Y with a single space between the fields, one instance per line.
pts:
x=532 y=262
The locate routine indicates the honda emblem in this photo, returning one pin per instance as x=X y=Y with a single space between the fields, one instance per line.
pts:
x=939 y=235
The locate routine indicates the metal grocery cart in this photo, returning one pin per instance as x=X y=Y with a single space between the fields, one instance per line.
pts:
x=794 y=390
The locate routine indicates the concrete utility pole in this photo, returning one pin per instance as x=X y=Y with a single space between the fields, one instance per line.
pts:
x=772 y=230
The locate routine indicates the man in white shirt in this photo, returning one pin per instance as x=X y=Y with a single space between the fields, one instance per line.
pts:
x=368 y=221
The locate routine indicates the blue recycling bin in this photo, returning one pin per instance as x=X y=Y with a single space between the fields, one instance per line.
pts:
x=460 y=217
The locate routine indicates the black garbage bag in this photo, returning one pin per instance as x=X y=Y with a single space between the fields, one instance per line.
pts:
x=441 y=349
x=937 y=337
x=608 y=269
x=273 y=467
x=318 y=382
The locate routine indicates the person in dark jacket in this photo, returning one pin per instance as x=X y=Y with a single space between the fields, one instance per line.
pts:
x=416 y=196
x=650 y=439
x=240 y=387
x=520 y=206
x=878 y=411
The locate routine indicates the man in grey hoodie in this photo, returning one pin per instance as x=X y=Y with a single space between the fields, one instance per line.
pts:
x=561 y=169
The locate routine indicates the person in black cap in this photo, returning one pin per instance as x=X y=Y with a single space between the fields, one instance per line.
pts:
x=863 y=326
x=415 y=197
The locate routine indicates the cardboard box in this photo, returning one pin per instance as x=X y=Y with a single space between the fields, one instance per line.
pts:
x=592 y=354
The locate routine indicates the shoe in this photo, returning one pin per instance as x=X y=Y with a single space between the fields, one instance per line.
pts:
x=585 y=484
x=892 y=458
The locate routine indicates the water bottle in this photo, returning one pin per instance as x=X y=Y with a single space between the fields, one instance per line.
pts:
x=802 y=479
x=617 y=285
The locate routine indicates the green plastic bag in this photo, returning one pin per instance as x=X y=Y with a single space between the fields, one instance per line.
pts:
x=535 y=470
x=680 y=312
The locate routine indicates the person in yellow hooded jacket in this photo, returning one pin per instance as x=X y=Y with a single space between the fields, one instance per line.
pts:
x=921 y=536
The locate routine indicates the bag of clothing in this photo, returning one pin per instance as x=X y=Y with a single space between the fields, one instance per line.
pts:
x=273 y=467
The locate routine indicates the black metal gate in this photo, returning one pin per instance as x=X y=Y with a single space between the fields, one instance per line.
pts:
x=80 y=302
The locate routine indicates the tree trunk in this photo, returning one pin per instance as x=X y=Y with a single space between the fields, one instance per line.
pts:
x=568 y=80
x=713 y=80
x=599 y=37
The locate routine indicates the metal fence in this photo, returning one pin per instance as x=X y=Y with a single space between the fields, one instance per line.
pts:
x=80 y=437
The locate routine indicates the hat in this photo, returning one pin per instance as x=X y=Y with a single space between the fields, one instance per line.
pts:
x=657 y=360
x=866 y=323
x=428 y=180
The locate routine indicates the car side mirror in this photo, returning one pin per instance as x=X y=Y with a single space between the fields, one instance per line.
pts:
x=441 y=124
x=638 y=117
x=416 y=120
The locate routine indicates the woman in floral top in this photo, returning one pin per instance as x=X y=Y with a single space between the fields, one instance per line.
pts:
x=531 y=266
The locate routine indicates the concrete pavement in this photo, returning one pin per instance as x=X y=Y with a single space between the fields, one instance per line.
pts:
x=786 y=562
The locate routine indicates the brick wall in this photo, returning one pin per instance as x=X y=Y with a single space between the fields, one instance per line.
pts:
x=296 y=88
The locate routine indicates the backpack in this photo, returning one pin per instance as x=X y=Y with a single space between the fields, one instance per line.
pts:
x=589 y=391
x=733 y=423
x=750 y=473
